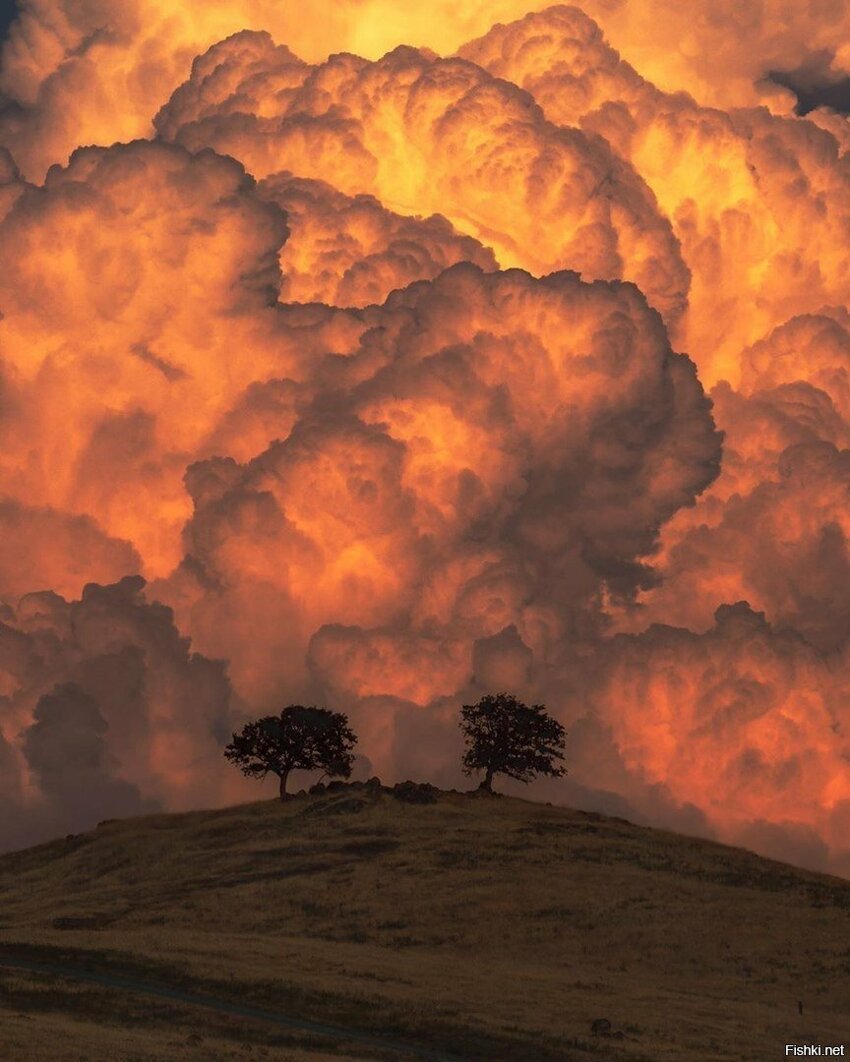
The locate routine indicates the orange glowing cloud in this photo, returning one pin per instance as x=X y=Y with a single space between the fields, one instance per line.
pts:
x=747 y=723
x=430 y=135
x=409 y=356
x=110 y=268
x=351 y=251
x=757 y=203
x=96 y=73
x=447 y=426
x=773 y=528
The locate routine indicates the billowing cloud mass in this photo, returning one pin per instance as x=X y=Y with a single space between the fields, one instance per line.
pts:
x=352 y=251
x=495 y=450
x=96 y=72
x=748 y=723
x=758 y=203
x=431 y=134
x=104 y=711
x=113 y=371
x=385 y=356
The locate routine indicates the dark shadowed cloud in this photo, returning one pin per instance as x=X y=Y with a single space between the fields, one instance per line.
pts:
x=813 y=92
x=8 y=14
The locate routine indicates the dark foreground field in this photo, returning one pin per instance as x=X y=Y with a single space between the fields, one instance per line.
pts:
x=473 y=928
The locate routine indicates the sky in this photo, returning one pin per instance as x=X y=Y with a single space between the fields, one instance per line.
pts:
x=383 y=361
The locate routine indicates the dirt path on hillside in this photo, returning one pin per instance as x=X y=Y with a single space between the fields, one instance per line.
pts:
x=223 y=1006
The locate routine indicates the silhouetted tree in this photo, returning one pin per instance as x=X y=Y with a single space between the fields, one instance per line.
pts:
x=303 y=739
x=505 y=736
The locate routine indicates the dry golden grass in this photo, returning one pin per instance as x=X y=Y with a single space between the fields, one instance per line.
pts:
x=45 y=1034
x=489 y=928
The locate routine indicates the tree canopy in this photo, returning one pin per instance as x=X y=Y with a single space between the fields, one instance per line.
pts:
x=300 y=738
x=505 y=736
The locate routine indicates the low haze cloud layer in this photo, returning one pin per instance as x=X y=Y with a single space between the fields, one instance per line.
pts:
x=384 y=361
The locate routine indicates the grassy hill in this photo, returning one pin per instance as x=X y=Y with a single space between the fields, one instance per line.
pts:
x=485 y=928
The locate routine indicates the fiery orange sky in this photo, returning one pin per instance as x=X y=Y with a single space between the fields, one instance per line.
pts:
x=389 y=355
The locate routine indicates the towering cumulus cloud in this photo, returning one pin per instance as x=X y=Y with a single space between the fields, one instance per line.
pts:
x=384 y=356
x=135 y=279
x=429 y=134
x=352 y=251
x=756 y=200
x=96 y=72
x=494 y=451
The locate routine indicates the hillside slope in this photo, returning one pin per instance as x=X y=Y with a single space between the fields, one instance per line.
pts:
x=486 y=928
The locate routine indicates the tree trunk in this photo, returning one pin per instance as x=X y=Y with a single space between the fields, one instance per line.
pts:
x=487 y=784
x=283 y=777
